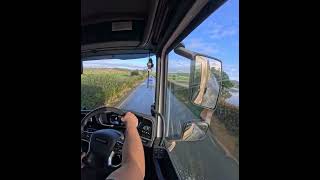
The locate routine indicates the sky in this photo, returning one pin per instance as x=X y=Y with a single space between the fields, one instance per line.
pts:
x=116 y=63
x=217 y=36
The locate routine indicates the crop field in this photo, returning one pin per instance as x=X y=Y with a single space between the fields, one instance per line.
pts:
x=106 y=86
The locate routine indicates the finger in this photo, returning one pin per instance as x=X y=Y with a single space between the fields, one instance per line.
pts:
x=123 y=118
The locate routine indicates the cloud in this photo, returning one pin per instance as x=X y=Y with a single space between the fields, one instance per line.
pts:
x=215 y=64
x=232 y=70
x=217 y=31
x=201 y=46
x=115 y=63
x=179 y=65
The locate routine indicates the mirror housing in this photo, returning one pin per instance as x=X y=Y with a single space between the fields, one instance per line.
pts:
x=194 y=131
x=205 y=77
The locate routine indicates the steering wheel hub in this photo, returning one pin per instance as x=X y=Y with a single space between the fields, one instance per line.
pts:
x=102 y=142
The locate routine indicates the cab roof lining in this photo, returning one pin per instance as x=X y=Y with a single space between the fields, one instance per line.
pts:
x=97 y=17
x=102 y=10
x=153 y=22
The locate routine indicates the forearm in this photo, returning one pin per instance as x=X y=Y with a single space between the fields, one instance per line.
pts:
x=133 y=164
x=133 y=149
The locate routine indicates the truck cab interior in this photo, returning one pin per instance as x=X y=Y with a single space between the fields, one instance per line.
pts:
x=129 y=29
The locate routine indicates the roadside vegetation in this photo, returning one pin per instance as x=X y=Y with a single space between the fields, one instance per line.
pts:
x=104 y=86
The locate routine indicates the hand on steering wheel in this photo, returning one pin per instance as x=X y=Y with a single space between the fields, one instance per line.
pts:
x=130 y=120
x=102 y=141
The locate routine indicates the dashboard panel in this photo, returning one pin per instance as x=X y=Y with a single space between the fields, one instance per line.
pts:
x=145 y=128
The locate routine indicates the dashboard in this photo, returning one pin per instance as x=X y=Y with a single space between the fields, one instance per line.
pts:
x=146 y=126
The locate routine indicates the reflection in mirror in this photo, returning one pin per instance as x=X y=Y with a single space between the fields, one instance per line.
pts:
x=205 y=82
x=194 y=131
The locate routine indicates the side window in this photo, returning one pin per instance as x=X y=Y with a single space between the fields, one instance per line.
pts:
x=178 y=108
x=216 y=156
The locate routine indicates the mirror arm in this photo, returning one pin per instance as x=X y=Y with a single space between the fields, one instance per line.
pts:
x=182 y=51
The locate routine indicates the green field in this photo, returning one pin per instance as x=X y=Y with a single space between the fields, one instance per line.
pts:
x=106 y=86
x=181 y=79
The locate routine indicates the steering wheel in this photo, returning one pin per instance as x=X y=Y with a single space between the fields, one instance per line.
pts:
x=102 y=141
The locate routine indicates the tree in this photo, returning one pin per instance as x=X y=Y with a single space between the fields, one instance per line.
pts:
x=224 y=77
x=226 y=83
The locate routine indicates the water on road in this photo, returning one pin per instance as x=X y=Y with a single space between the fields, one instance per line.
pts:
x=141 y=98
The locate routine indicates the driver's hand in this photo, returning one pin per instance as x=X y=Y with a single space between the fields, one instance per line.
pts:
x=130 y=120
x=83 y=154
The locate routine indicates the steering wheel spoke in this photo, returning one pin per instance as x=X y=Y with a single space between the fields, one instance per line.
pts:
x=101 y=142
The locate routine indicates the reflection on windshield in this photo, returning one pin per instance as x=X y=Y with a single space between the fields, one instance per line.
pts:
x=212 y=92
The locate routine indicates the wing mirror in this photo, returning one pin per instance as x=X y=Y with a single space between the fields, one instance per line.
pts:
x=205 y=78
x=194 y=131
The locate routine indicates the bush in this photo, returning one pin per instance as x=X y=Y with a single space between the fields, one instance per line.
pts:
x=134 y=73
x=229 y=115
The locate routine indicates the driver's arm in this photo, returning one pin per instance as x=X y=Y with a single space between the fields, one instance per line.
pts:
x=133 y=164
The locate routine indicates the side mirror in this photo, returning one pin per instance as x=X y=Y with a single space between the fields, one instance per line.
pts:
x=194 y=131
x=205 y=78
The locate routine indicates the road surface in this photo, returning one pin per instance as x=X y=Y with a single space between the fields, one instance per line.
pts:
x=141 y=98
x=198 y=160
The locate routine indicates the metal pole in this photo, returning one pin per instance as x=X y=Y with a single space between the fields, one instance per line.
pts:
x=148 y=80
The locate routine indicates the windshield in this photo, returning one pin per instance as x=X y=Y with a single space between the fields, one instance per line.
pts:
x=118 y=83
x=216 y=156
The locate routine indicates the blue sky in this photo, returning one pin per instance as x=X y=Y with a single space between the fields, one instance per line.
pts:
x=217 y=36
